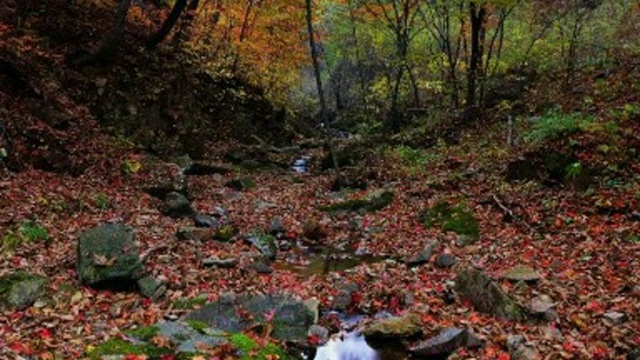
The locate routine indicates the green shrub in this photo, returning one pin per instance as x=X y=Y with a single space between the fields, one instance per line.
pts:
x=102 y=201
x=32 y=232
x=555 y=125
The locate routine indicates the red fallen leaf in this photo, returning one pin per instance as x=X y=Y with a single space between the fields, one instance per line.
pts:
x=167 y=357
x=568 y=347
x=313 y=339
x=20 y=348
x=44 y=333
x=594 y=306
x=503 y=356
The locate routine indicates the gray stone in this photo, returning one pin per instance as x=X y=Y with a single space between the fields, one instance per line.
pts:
x=276 y=226
x=394 y=327
x=194 y=233
x=188 y=339
x=108 y=255
x=445 y=260
x=221 y=263
x=423 y=256
x=487 y=296
x=513 y=341
x=463 y=240
x=266 y=244
x=205 y=221
x=291 y=318
x=521 y=273
x=261 y=267
x=446 y=342
x=321 y=333
x=524 y=352
x=151 y=287
x=542 y=305
x=20 y=290
x=177 y=206
x=613 y=318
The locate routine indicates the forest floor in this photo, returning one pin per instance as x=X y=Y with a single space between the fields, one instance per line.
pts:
x=584 y=245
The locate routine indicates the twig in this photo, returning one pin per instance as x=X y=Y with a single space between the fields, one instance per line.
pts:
x=511 y=214
x=149 y=251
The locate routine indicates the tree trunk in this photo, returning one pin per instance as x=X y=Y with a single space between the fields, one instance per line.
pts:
x=167 y=25
x=182 y=34
x=476 y=16
x=324 y=123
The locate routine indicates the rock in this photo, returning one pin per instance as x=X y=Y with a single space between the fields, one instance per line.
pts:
x=446 y=342
x=261 y=267
x=613 y=318
x=521 y=273
x=108 y=255
x=177 y=206
x=266 y=244
x=221 y=263
x=276 y=227
x=313 y=305
x=190 y=338
x=445 y=260
x=514 y=341
x=374 y=201
x=319 y=333
x=423 y=256
x=465 y=240
x=151 y=287
x=312 y=230
x=342 y=300
x=524 y=352
x=240 y=184
x=205 y=221
x=543 y=306
x=194 y=233
x=486 y=295
x=162 y=178
x=19 y=290
x=291 y=318
x=395 y=327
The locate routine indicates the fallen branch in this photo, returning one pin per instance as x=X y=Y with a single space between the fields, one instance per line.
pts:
x=510 y=214
x=149 y=251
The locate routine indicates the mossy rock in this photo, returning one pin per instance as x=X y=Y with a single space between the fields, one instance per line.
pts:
x=373 y=202
x=20 y=289
x=250 y=350
x=459 y=219
x=108 y=256
x=123 y=347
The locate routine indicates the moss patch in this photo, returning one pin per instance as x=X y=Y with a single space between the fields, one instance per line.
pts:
x=144 y=333
x=459 y=219
x=250 y=350
x=122 y=347
x=371 y=203
x=189 y=303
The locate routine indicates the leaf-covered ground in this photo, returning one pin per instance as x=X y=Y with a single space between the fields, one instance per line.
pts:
x=583 y=243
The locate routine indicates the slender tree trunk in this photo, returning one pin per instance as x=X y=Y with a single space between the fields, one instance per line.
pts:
x=324 y=120
x=476 y=16
x=110 y=42
x=182 y=34
x=167 y=25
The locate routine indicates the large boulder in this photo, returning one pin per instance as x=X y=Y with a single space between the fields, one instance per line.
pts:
x=108 y=255
x=20 y=289
x=487 y=296
x=291 y=318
